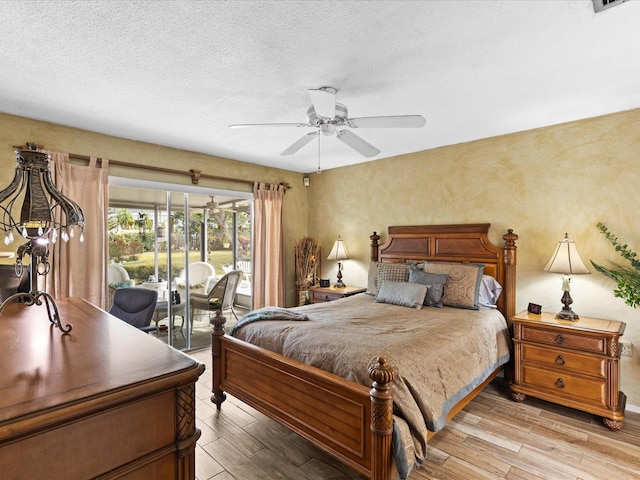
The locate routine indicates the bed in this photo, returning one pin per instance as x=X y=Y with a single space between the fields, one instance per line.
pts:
x=347 y=418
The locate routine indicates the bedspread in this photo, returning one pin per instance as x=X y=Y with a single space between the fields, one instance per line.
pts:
x=440 y=355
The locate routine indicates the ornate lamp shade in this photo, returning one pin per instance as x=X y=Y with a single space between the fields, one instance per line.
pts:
x=566 y=260
x=35 y=209
x=32 y=206
x=339 y=253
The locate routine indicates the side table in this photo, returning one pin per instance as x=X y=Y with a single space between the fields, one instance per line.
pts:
x=162 y=311
x=571 y=363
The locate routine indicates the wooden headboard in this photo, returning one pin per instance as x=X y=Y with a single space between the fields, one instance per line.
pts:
x=454 y=243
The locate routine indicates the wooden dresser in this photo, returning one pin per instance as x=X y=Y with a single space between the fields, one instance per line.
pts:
x=574 y=364
x=105 y=401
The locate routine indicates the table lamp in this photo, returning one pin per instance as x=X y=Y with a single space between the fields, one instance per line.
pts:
x=566 y=261
x=339 y=253
x=35 y=209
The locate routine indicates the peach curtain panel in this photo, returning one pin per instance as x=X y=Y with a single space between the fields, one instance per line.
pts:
x=268 y=246
x=79 y=269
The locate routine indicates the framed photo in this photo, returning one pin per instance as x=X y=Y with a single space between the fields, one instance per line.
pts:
x=534 y=308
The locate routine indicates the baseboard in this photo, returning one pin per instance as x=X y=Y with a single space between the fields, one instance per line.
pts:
x=633 y=408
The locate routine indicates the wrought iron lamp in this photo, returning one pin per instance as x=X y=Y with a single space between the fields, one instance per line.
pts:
x=339 y=253
x=32 y=207
x=566 y=260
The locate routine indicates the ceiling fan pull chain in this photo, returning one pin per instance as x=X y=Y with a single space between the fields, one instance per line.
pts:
x=319 y=137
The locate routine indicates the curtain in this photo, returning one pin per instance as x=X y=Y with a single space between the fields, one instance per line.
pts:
x=79 y=269
x=268 y=246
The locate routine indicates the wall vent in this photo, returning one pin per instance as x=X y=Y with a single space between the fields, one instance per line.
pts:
x=599 y=5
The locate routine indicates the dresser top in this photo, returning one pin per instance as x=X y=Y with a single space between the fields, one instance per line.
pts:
x=42 y=368
x=612 y=327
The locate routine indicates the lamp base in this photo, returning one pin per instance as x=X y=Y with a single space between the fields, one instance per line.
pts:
x=566 y=313
x=39 y=253
x=339 y=283
x=36 y=298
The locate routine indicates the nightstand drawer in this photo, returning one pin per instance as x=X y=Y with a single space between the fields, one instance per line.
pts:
x=565 y=383
x=328 y=294
x=320 y=297
x=561 y=360
x=565 y=339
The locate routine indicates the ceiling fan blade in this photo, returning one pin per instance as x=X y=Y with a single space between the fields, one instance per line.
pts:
x=357 y=143
x=248 y=125
x=324 y=101
x=299 y=144
x=398 y=121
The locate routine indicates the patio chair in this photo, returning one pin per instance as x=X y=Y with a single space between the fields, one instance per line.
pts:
x=221 y=296
x=135 y=306
x=200 y=273
x=118 y=276
x=245 y=266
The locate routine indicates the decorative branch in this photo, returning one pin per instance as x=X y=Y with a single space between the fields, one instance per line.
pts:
x=307 y=252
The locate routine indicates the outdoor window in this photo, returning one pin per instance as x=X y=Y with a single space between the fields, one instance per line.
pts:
x=156 y=231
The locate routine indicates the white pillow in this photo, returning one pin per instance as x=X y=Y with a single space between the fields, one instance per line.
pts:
x=489 y=291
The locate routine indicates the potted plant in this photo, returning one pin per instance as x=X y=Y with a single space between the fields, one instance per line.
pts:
x=627 y=277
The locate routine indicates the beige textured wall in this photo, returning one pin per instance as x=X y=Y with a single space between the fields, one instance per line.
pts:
x=17 y=130
x=540 y=183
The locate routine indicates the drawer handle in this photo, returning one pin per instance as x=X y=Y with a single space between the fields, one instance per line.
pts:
x=560 y=360
x=326 y=298
x=560 y=383
x=560 y=339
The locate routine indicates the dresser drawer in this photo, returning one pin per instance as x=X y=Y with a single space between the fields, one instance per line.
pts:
x=565 y=383
x=566 y=339
x=562 y=360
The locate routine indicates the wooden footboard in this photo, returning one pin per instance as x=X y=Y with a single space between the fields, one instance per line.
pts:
x=348 y=420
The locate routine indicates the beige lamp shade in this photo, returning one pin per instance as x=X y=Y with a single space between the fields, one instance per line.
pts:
x=338 y=252
x=566 y=259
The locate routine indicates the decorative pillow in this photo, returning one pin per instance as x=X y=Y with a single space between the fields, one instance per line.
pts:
x=435 y=282
x=394 y=272
x=404 y=294
x=490 y=291
x=462 y=287
x=372 y=279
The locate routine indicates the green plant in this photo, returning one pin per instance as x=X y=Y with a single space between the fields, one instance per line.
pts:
x=626 y=277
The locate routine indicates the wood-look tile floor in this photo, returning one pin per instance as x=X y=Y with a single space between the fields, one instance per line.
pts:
x=492 y=438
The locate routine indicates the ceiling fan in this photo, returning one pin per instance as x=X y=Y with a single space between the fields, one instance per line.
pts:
x=332 y=118
x=214 y=207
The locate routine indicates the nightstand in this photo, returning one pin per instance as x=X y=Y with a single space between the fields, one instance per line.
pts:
x=326 y=294
x=574 y=364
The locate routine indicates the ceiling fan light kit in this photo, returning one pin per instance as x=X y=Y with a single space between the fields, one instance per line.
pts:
x=328 y=116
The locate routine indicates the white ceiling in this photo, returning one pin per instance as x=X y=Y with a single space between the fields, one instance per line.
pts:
x=177 y=73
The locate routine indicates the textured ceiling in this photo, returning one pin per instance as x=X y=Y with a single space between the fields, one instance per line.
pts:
x=177 y=73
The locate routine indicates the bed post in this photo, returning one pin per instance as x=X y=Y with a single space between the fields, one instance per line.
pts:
x=374 y=246
x=381 y=418
x=216 y=349
x=510 y=273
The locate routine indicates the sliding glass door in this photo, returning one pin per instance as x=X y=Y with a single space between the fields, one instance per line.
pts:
x=179 y=241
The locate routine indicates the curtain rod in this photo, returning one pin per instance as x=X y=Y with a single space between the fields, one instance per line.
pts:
x=195 y=175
